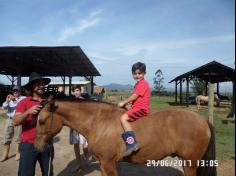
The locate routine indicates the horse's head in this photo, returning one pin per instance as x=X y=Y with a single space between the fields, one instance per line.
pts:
x=49 y=123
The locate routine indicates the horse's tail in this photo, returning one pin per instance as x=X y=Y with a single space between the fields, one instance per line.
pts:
x=210 y=156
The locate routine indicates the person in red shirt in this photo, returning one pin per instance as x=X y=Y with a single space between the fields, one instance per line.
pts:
x=139 y=100
x=25 y=115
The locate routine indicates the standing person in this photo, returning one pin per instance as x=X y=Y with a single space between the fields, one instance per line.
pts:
x=140 y=107
x=25 y=115
x=12 y=99
x=78 y=139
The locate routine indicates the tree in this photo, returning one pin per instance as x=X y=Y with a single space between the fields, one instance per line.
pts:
x=158 y=80
x=198 y=86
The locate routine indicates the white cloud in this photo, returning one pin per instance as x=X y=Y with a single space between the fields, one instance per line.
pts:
x=95 y=13
x=81 y=26
x=151 y=50
x=132 y=49
x=190 y=42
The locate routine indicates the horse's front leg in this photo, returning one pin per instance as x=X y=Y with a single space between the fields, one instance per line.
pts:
x=109 y=168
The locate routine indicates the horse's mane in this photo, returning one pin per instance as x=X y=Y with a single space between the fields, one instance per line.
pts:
x=72 y=99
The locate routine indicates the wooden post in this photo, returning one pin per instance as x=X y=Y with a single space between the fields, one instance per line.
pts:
x=218 y=88
x=64 y=84
x=180 y=93
x=92 y=86
x=18 y=80
x=232 y=111
x=176 y=91
x=70 y=81
x=12 y=81
x=211 y=87
x=206 y=89
x=19 y=71
x=187 y=91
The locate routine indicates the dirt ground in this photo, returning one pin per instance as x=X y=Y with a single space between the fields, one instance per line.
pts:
x=64 y=161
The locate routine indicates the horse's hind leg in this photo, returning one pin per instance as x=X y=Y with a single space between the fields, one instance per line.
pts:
x=190 y=170
x=109 y=168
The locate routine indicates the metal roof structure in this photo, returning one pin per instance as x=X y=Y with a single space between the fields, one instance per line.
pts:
x=47 y=61
x=213 y=72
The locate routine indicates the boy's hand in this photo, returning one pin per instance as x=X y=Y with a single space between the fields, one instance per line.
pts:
x=121 y=104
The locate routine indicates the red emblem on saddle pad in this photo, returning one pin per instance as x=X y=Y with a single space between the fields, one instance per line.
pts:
x=130 y=140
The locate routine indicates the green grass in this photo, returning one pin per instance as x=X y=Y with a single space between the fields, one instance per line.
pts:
x=159 y=103
x=225 y=134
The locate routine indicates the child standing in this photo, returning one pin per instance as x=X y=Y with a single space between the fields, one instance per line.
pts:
x=140 y=106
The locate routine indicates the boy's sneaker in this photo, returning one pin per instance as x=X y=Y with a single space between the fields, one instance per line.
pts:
x=130 y=150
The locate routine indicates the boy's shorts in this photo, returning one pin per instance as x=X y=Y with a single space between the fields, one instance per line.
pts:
x=76 y=138
x=136 y=113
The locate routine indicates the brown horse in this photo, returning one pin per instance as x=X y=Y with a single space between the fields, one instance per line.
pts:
x=173 y=132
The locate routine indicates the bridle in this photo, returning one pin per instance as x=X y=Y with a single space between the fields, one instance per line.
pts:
x=44 y=103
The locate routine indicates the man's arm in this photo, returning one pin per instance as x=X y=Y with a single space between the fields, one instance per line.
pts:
x=20 y=117
x=6 y=104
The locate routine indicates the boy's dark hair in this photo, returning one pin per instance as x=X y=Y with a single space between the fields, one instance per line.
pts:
x=139 y=66
x=76 y=87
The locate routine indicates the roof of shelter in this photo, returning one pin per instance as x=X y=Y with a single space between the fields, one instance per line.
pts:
x=212 y=72
x=46 y=61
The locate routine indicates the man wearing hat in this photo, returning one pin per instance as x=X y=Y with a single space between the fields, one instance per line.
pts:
x=12 y=99
x=25 y=116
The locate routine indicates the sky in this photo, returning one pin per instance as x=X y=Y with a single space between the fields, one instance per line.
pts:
x=174 y=36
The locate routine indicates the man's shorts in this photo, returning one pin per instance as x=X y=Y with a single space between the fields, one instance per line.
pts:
x=76 y=138
x=10 y=131
x=136 y=113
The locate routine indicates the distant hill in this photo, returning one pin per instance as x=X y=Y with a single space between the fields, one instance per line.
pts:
x=118 y=87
